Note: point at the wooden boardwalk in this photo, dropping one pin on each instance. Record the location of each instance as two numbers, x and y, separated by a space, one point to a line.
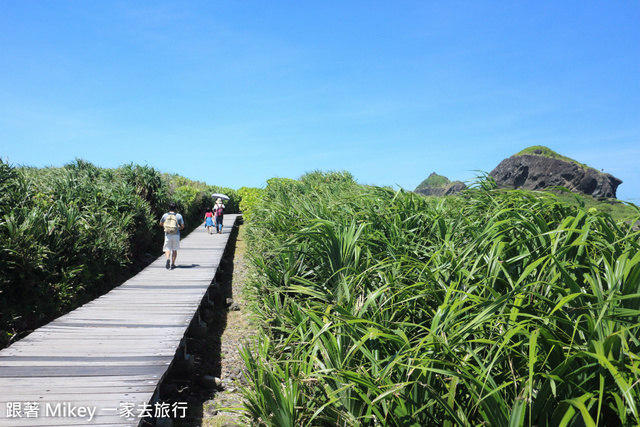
102 364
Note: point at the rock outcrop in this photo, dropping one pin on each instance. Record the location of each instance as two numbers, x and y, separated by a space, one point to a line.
438 185
538 168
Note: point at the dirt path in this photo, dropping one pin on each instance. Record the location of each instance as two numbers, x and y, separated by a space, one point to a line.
218 354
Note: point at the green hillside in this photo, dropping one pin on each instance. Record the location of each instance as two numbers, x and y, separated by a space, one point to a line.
434 181
540 150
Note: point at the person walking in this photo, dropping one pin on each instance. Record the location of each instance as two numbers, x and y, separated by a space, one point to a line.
218 210
172 222
208 218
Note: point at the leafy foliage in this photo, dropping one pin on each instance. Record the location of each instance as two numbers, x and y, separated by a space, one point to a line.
69 234
250 197
492 308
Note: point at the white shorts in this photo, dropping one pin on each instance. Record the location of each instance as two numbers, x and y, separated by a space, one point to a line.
171 242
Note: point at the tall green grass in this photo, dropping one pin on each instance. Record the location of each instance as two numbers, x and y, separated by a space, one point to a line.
492 308
69 234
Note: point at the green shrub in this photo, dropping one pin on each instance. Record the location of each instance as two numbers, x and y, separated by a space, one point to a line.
249 200
189 200
69 234
495 308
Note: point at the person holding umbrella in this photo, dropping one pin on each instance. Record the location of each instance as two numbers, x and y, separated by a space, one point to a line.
218 212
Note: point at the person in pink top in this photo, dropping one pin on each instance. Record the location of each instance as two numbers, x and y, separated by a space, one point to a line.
208 218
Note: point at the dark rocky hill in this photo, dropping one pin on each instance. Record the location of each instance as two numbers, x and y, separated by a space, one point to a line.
438 185
538 168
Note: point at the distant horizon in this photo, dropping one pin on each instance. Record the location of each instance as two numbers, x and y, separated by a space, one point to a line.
235 93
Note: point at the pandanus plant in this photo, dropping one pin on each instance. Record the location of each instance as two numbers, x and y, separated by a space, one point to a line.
493 308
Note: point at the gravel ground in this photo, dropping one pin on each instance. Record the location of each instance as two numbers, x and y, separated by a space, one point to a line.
218 354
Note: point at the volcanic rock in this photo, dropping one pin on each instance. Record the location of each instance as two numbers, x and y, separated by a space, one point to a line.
438 185
538 168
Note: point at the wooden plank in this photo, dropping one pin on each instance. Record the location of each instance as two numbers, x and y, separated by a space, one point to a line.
96 398
86 388
79 391
78 371
9 386
132 360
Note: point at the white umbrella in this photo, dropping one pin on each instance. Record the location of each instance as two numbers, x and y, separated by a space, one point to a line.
220 196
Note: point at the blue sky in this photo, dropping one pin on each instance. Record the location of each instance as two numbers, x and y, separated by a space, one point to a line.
233 93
